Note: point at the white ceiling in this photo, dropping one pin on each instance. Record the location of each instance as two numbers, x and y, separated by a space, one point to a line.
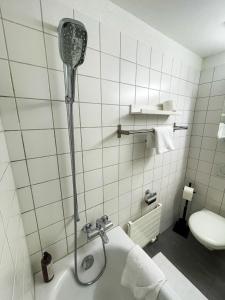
196 24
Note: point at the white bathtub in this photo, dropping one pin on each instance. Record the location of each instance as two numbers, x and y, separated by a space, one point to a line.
64 286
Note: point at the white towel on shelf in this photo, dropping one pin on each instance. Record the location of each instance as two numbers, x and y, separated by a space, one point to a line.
221 131
164 139
141 275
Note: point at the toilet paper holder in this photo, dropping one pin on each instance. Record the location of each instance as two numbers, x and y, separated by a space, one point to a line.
149 197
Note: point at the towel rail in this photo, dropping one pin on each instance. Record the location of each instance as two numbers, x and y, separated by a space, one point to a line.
121 131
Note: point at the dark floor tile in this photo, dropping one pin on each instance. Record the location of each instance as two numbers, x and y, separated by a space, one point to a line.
204 268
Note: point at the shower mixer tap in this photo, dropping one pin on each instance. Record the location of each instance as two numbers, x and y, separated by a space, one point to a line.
99 229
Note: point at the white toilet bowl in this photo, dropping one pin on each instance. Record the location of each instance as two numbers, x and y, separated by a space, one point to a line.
208 228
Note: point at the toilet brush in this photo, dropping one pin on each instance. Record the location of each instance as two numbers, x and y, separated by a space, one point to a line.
181 227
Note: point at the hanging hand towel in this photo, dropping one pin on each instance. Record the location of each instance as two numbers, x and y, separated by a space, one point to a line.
221 131
141 275
164 139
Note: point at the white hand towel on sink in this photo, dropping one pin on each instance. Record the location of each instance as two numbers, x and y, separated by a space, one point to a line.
164 139
141 275
221 131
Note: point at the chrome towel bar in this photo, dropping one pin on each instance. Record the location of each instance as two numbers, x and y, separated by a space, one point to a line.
120 131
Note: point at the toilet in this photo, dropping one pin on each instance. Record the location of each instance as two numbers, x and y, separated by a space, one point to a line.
208 228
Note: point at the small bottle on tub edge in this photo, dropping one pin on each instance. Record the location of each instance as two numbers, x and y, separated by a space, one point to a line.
47 267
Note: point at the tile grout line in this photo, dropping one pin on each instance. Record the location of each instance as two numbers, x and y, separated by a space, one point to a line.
17 112
53 122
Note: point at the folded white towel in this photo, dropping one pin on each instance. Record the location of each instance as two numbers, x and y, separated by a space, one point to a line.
141 275
221 131
164 139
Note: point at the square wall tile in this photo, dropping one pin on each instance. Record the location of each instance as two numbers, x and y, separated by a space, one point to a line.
128 48
110 40
26 12
143 54
128 72
91 138
17 37
110 115
20 173
30 81
9 117
49 214
156 59
46 193
91 65
110 174
52 234
52 51
57 86
127 94
204 90
39 143
109 137
92 159
62 141
93 179
33 243
206 75
155 80
141 96
110 92
25 199
5 83
43 169
142 76
15 145
53 13
90 115
219 72
110 156
3 53
109 67
29 222
94 197
218 88
35 114
111 191
89 89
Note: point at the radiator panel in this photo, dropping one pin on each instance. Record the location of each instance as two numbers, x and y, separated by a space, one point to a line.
146 228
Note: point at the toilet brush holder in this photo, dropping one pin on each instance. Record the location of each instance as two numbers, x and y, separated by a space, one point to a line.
181 227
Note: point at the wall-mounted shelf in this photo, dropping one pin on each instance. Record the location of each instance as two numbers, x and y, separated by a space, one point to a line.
150 110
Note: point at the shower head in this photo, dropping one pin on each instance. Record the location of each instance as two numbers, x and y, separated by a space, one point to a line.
72 42
72 48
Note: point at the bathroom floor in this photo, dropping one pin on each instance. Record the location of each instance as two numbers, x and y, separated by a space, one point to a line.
204 268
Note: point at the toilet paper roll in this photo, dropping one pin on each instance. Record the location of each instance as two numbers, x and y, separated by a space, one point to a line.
188 193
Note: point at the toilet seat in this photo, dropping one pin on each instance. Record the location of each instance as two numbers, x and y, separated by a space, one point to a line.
208 228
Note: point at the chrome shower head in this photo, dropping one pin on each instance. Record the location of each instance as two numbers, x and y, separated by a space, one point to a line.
72 48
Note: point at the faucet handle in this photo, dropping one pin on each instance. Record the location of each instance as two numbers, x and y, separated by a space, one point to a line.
105 219
87 228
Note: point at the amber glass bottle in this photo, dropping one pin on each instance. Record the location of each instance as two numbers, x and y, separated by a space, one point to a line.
47 267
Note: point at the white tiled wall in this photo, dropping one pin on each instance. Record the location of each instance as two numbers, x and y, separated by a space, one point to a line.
16 280
112 173
207 153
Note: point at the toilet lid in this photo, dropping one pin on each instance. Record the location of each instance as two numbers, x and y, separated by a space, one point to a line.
208 228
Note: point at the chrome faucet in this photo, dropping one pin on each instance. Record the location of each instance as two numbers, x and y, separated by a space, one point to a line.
102 224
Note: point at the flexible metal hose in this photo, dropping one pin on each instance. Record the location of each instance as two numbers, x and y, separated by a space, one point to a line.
69 108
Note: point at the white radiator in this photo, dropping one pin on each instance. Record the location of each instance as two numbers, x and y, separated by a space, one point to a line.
146 228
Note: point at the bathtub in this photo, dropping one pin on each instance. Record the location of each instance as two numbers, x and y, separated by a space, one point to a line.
64 287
